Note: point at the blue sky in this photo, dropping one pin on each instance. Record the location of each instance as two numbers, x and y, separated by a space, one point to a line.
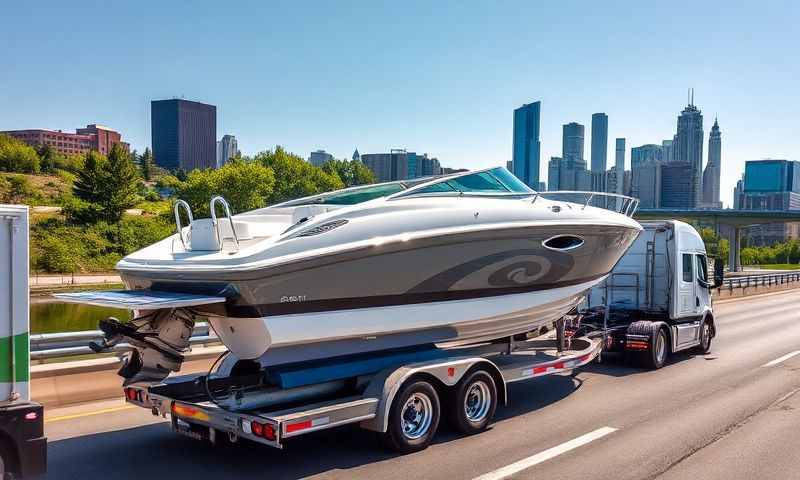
436 77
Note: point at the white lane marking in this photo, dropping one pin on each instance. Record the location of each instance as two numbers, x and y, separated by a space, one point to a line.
540 457
781 359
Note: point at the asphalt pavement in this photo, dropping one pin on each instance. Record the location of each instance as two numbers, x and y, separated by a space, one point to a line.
731 414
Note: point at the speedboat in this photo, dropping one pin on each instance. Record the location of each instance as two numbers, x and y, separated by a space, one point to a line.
441 261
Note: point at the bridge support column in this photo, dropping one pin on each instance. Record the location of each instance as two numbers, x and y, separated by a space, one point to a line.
734 259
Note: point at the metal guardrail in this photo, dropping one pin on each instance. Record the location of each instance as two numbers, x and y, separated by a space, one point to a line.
762 280
69 344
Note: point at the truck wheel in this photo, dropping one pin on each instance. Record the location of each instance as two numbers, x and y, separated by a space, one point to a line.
656 356
706 334
473 403
5 464
414 418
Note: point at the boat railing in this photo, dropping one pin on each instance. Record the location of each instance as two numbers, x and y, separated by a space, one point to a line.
610 201
215 222
177 210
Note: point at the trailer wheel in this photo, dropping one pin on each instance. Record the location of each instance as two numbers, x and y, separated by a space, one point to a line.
706 334
656 356
473 403
414 418
6 463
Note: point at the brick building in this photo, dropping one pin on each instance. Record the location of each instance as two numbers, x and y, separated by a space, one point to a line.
93 137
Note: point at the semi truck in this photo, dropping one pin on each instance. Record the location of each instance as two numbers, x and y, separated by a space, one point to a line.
655 302
23 446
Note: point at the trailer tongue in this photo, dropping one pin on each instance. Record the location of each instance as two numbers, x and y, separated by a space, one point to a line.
160 333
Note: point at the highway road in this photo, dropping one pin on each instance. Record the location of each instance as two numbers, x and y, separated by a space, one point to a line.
733 413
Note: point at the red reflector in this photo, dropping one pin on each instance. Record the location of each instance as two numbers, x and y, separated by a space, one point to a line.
293 427
539 370
451 372
31 416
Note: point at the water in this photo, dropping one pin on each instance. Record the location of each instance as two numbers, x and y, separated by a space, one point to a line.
48 316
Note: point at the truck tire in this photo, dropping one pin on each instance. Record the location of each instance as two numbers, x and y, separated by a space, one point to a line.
706 334
656 355
473 403
6 463
413 418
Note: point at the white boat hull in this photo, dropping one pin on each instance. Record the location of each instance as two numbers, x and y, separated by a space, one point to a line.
446 323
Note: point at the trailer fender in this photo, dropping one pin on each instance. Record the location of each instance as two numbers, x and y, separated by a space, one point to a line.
385 385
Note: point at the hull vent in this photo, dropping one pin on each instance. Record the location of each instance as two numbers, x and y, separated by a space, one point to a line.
319 229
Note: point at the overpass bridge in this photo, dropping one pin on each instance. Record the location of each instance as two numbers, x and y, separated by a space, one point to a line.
734 220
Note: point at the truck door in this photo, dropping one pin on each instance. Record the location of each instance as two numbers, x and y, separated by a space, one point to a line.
686 287
701 289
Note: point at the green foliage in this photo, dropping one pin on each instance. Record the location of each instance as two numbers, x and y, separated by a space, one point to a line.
106 187
294 177
16 156
245 185
146 163
715 247
15 189
787 252
350 172
58 247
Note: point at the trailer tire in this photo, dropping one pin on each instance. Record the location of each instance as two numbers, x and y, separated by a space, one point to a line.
473 403
413 418
6 462
706 334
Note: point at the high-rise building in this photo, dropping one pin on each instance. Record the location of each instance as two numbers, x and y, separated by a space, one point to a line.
645 154
676 186
599 142
400 164
93 137
646 184
711 175
319 157
619 164
572 143
227 148
688 148
356 156
553 167
184 134
770 185
510 166
666 151
527 145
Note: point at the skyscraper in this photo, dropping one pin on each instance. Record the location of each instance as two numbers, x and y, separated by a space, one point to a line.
319 157
184 134
711 174
227 148
688 148
527 145
572 143
599 142
645 154
619 164
666 151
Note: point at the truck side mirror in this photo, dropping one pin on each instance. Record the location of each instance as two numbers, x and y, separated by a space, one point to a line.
719 272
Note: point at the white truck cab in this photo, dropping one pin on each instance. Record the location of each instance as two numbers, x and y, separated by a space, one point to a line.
659 292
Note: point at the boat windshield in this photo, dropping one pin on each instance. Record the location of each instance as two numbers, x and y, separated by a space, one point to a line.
496 180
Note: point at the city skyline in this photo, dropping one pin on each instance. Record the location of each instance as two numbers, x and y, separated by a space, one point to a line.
459 108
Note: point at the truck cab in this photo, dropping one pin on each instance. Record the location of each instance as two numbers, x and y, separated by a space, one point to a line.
659 291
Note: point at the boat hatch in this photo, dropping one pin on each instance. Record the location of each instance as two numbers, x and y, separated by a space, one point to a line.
139 299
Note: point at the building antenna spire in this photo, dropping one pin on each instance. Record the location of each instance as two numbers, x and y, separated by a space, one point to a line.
692 96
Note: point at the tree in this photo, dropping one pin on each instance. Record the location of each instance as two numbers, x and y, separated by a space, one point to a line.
17 156
294 177
107 186
47 158
245 185
145 162
350 172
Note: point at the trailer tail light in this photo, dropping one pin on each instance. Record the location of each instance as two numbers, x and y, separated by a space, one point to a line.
130 394
31 416
263 430
186 411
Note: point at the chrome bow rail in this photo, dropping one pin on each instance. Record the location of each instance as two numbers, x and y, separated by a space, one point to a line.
611 201
215 222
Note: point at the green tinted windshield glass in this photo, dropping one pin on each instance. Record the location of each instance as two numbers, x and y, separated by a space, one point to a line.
511 182
477 182
361 195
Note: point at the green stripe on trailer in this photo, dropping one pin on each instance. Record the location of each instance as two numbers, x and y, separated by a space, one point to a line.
21 356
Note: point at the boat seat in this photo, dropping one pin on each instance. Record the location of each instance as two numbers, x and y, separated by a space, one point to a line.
203 236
